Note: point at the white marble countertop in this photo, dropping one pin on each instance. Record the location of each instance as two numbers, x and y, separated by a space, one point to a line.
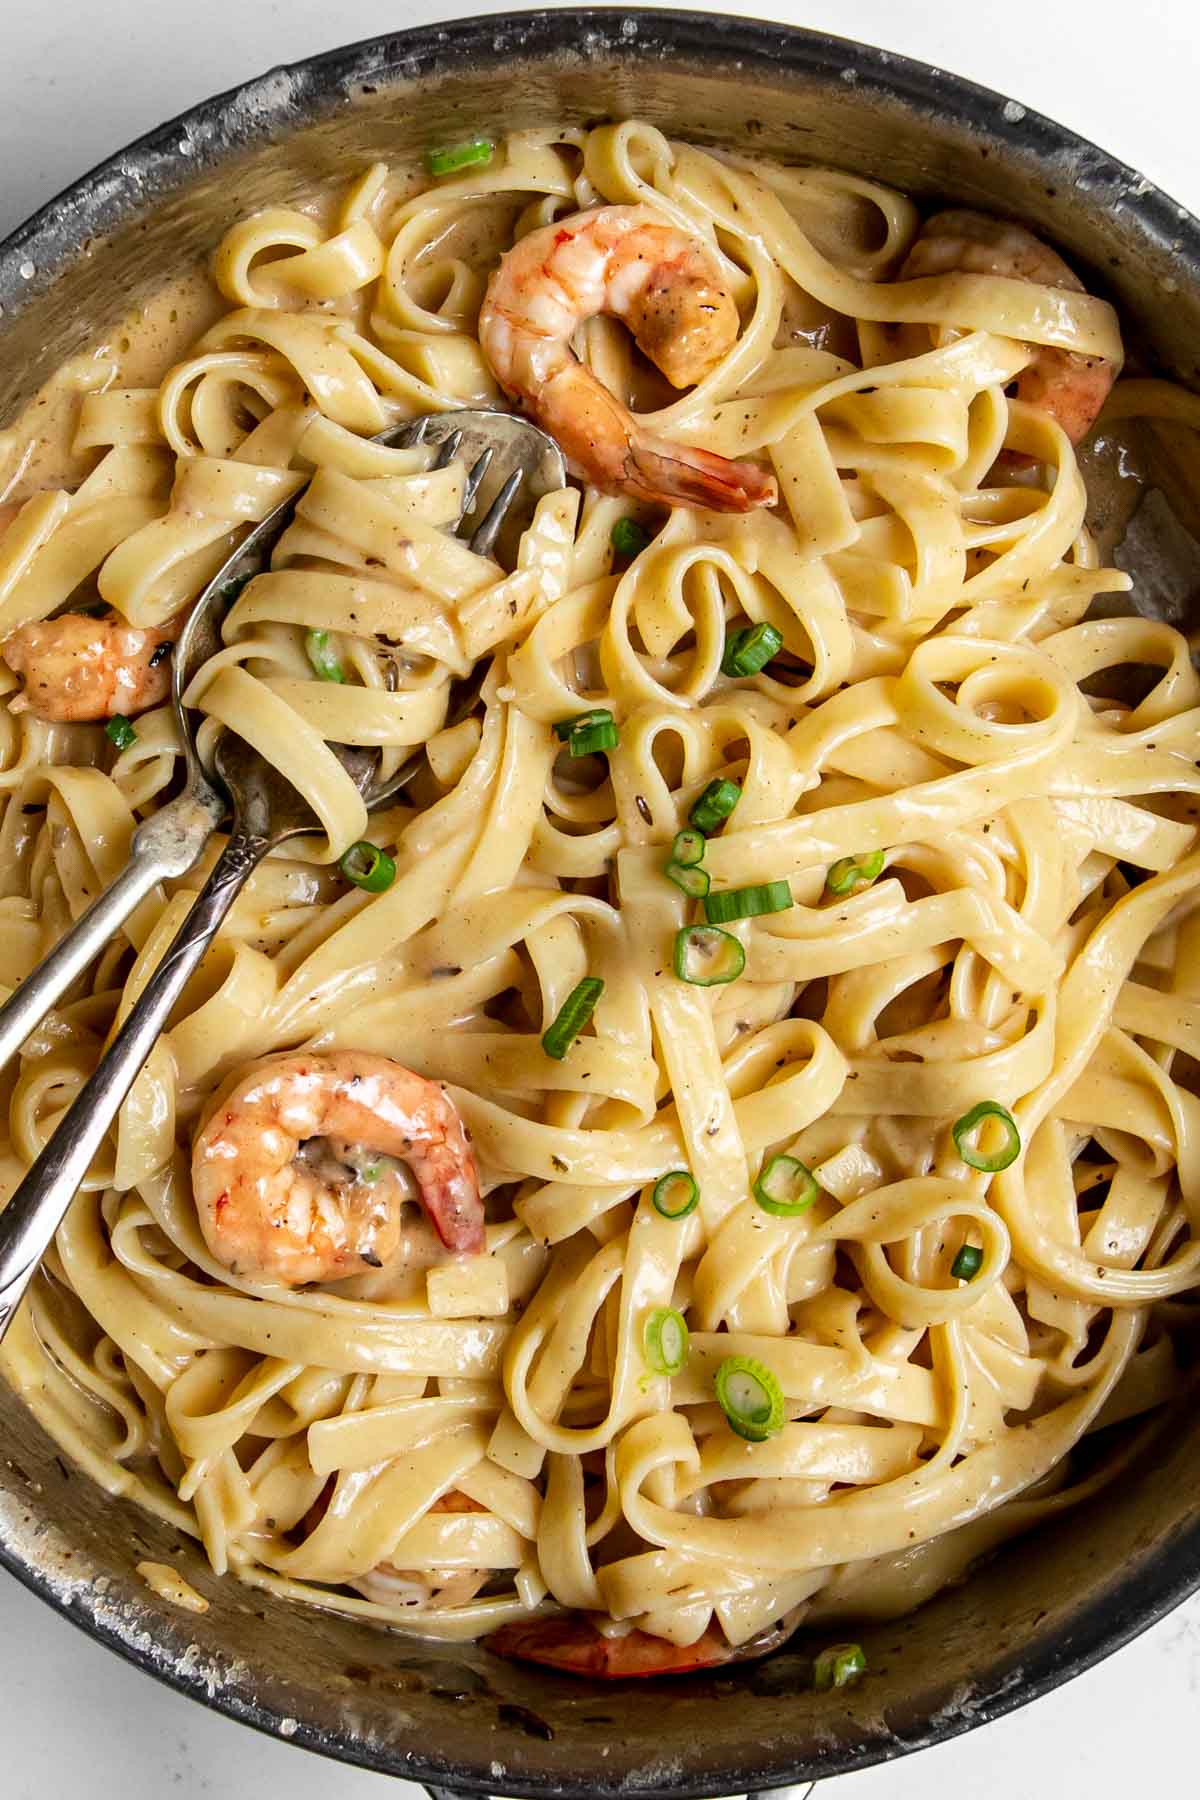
78 79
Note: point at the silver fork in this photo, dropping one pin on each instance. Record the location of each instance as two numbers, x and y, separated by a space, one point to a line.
267 811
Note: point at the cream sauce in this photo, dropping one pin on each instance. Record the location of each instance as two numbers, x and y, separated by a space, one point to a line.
170 1586
36 449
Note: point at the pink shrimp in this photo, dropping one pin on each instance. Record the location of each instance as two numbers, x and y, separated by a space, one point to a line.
419 1588
425 1588
667 287
297 1173
573 1644
1070 387
78 668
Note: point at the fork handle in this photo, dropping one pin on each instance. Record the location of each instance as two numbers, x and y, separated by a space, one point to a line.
167 844
33 1215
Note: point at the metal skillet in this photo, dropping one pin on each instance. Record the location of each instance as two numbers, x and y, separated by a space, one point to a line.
513 457
1042 1609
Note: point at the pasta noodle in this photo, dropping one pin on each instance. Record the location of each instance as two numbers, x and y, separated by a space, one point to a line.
988 850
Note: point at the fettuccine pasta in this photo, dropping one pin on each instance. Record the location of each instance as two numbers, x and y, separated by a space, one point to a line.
870 1186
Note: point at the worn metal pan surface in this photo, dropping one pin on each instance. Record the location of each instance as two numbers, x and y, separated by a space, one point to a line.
1045 1608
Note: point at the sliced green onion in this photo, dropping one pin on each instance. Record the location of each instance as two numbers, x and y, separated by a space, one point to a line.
850 872
840 1664
786 1187
748 651
120 732
599 715
748 902
449 161
707 957
323 657
750 1397
694 882
990 1162
629 538
666 1341
715 805
588 732
676 1195
688 848
586 740
967 1263
370 1173
368 867
571 1017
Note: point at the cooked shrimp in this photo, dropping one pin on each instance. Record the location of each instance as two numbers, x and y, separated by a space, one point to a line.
296 1172
573 1644
1070 387
627 261
424 1588
78 668
419 1588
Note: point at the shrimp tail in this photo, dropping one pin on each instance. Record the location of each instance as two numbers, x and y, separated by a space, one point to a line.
660 471
450 1197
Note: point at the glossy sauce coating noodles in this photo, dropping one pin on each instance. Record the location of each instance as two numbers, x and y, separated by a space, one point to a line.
972 875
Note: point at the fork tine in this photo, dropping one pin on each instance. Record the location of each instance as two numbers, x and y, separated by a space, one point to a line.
475 479
493 519
448 451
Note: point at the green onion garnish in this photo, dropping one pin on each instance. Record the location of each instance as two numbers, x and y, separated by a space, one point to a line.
786 1187
571 1017
748 651
750 1397
588 732
748 903
666 1341
967 1147
694 882
120 732
323 657
840 1664
967 1263
599 715
676 1195
715 805
368 867
460 156
586 740
370 1173
629 538
688 848
850 872
707 957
